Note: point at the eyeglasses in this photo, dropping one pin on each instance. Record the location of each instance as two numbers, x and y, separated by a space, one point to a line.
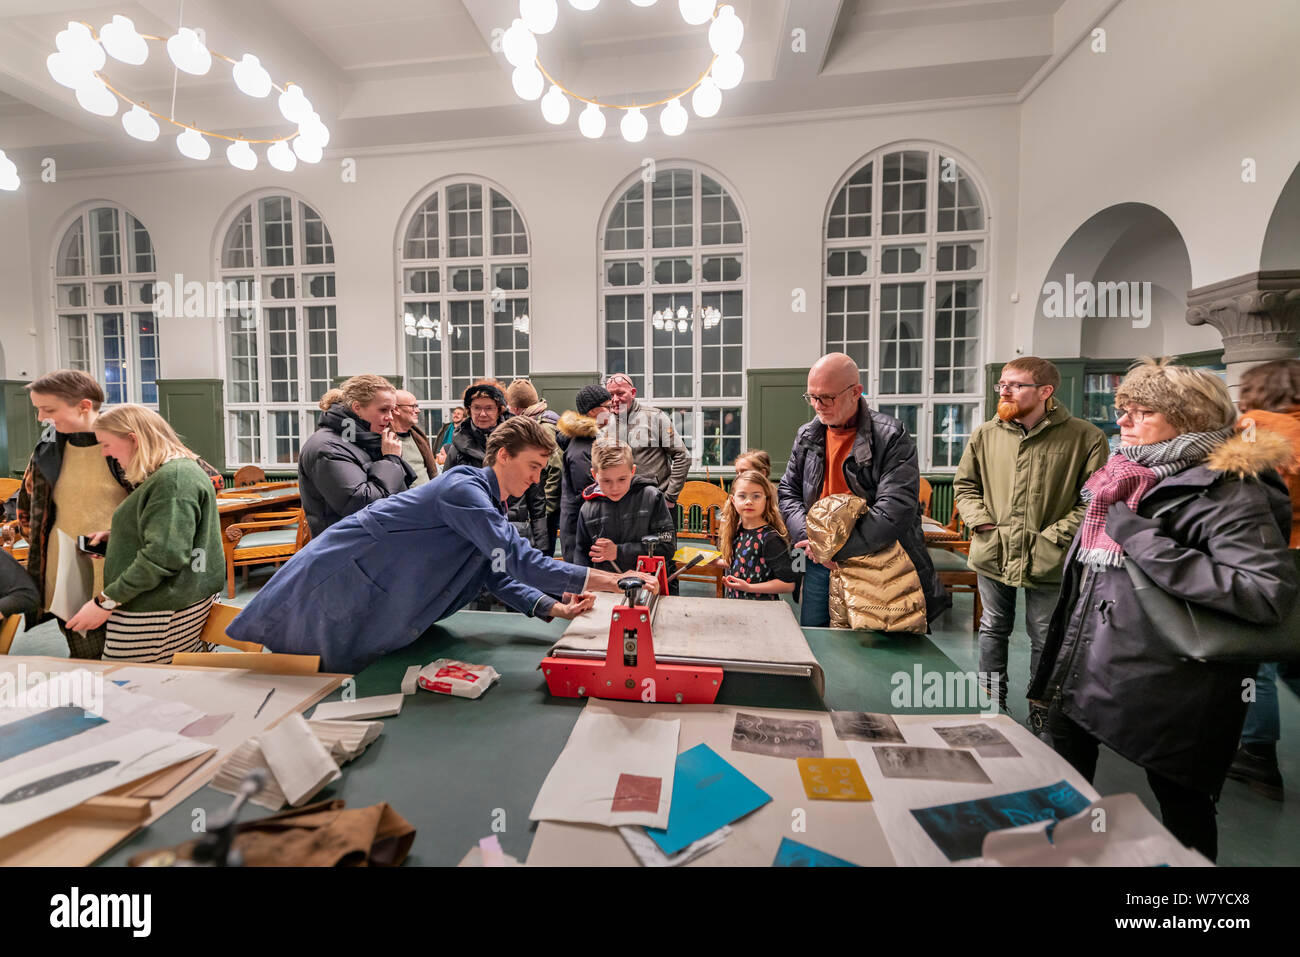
402 405
1015 386
1137 415
824 399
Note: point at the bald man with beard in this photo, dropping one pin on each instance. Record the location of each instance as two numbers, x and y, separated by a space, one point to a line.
849 447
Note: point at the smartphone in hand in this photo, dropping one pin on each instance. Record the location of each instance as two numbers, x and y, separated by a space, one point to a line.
83 544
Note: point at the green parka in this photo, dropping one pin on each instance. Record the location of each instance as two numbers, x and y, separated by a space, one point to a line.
1027 484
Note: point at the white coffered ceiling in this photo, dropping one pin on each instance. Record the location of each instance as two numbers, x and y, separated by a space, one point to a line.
399 72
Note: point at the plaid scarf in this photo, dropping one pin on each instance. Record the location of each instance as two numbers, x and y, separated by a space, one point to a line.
1127 476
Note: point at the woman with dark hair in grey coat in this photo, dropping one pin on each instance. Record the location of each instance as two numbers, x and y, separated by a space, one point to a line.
1105 674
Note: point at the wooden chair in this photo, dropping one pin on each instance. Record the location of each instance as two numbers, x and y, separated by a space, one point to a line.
953 570
9 628
263 538
249 475
699 526
253 658
926 494
8 486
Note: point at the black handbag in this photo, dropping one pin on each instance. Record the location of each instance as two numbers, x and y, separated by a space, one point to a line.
1203 634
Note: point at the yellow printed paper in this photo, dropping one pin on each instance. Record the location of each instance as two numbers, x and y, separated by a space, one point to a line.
687 552
833 779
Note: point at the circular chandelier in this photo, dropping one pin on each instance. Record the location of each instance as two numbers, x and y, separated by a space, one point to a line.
680 320
81 57
724 72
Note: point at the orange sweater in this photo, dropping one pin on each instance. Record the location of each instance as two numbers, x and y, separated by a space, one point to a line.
1286 424
839 446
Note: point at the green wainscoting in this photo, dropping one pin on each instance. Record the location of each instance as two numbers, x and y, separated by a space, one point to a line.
19 429
776 411
194 407
560 389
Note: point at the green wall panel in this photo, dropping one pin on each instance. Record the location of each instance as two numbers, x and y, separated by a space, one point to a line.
560 389
194 408
19 429
776 411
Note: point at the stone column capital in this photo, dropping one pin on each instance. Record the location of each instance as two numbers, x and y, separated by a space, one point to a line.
1258 314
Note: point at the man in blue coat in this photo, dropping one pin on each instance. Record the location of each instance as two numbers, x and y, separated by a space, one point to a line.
374 581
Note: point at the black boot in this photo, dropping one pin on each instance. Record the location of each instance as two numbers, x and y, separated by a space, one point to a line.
1256 764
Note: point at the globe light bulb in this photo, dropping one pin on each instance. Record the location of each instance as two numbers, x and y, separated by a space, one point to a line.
94 97
122 42
306 150
282 157
539 15
696 12
727 71
192 144
241 156
528 82
681 325
555 106
726 31
634 125
583 5
293 103
68 71
138 123
674 118
251 77
188 52
81 47
707 98
591 122
519 45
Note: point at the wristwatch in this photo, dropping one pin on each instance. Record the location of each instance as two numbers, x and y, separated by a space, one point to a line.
104 602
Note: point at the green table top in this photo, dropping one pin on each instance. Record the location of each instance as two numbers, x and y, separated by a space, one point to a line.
452 766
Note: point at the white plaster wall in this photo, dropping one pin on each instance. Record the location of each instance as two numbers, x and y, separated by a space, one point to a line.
783 176
1186 90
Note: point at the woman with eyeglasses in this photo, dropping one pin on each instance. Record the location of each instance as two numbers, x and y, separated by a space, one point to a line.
1105 673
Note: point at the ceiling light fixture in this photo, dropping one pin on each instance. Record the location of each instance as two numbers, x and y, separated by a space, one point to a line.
82 54
530 77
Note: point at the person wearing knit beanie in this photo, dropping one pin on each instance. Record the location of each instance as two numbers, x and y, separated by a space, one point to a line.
1186 397
591 396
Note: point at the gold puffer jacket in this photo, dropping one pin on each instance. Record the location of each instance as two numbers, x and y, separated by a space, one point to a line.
879 592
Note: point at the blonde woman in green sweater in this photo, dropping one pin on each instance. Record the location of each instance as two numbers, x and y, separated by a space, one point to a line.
164 564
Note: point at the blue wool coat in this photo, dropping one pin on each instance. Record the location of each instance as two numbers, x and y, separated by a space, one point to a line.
374 581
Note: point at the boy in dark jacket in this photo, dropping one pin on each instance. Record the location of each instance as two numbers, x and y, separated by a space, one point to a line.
618 511
581 429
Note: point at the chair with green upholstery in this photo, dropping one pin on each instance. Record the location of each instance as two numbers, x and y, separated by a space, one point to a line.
263 538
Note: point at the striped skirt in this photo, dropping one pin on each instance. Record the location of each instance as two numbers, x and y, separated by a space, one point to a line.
154 636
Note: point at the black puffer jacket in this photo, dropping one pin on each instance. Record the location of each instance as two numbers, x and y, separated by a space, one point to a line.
580 432
642 511
527 511
342 469
882 470
1224 547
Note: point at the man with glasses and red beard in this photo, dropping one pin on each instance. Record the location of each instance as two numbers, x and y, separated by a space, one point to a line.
1017 489
851 448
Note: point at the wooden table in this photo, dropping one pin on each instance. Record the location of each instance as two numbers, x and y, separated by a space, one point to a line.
232 510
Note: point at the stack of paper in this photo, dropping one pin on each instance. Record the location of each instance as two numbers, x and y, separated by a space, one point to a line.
378 706
300 763
293 764
708 793
346 739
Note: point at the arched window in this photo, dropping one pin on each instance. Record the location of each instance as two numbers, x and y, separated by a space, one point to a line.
104 291
673 280
280 327
465 275
906 266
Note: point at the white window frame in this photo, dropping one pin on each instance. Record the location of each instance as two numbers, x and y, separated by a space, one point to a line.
131 308
304 406
697 403
440 409
929 400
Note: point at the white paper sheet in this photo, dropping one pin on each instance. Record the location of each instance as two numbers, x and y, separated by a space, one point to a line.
648 853
74 579
377 706
591 776
37 793
408 680
300 763
1129 836
894 798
